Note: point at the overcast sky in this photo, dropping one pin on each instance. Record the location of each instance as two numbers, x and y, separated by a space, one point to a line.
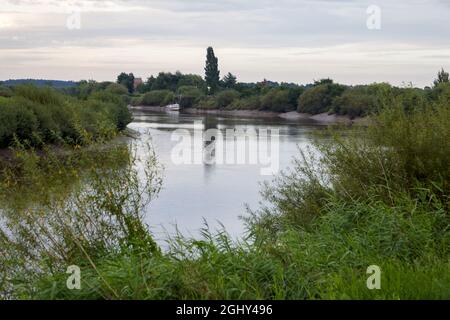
281 40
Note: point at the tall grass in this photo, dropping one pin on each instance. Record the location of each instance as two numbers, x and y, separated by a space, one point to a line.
58 212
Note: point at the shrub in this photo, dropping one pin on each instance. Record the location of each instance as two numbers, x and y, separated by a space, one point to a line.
136 101
42 95
5 92
116 88
188 96
226 97
276 100
208 102
114 107
169 99
246 103
18 121
319 98
42 115
354 102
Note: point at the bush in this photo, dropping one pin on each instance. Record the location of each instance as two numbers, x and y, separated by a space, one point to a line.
158 98
354 102
319 98
189 96
136 101
5 92
208 102
226 97
117 89
247 103
114 107
385 162
169 99
16 121
42 95
42 115
276 100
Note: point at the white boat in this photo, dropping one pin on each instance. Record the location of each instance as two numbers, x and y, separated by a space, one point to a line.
173 107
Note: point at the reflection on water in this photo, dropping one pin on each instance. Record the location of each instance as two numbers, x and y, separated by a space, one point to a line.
214 192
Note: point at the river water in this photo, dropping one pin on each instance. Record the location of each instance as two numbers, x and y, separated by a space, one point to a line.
214 192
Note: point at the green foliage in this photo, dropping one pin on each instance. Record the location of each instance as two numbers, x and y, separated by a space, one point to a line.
113 106
365 195
165 81
136 100
44 95
127 80
5 92
226 97
376 198
246 103
440 93
85 206
208 102
169 99
212 73
276 100
229 81
42 115
172 82
191 80
16 121
319 98
189 96
116 88
158 98
355 102
442 77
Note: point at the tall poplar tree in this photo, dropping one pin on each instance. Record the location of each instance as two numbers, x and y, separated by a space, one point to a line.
212 73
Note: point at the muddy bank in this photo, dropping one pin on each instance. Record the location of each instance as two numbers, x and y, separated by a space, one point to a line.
322 118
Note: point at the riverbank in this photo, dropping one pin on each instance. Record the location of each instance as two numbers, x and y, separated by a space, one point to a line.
8 156
386 209
322 118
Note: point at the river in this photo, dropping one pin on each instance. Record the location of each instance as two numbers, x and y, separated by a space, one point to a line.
214 192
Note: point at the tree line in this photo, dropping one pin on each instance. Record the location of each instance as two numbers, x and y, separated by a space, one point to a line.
213 92
35 116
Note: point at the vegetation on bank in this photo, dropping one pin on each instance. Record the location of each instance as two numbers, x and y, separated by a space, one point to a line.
36 116
192 91
376 195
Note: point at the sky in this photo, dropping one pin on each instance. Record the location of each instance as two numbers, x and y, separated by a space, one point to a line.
350 41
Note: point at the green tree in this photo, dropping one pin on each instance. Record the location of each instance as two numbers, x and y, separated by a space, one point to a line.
276 100
229 81
319 98
212 73
126 80
188 96
226 97
443 77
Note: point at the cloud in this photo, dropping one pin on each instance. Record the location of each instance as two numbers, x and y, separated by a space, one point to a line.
291 28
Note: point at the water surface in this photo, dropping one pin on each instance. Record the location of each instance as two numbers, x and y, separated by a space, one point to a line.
194 193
